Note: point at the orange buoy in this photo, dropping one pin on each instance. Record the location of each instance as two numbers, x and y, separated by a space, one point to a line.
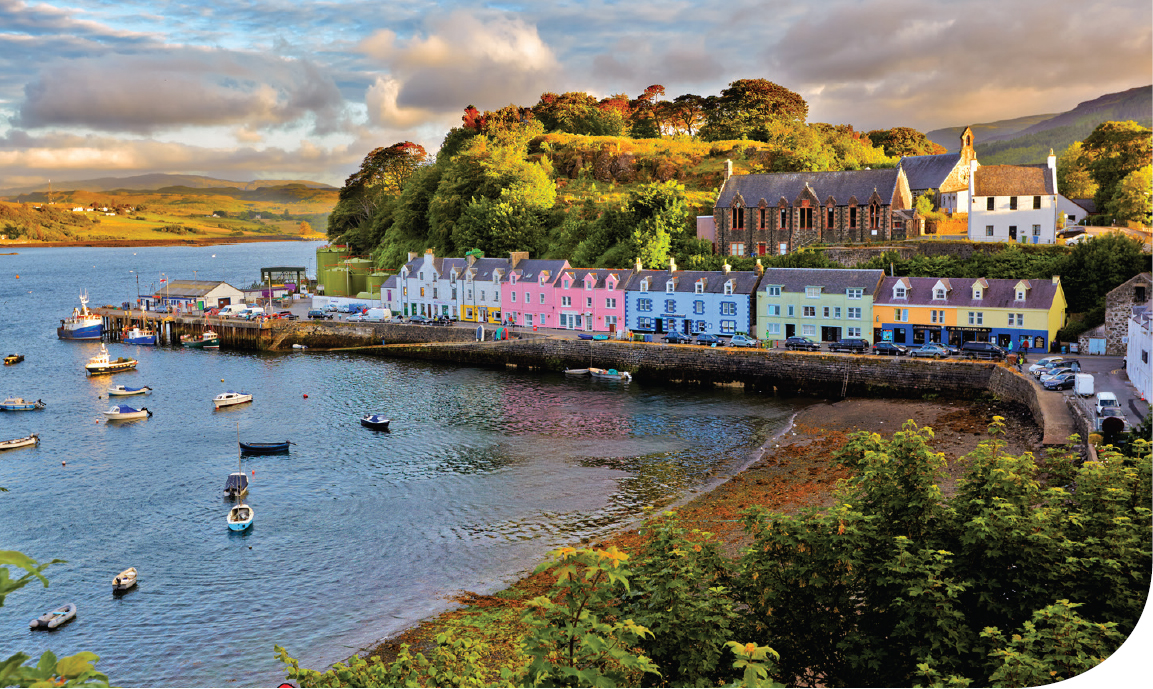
306 395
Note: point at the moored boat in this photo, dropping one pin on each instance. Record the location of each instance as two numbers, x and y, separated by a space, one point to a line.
13 359
265 448
20 404
139 336
82 324
124 581
230 398
123 412
576 371
236 485
55 618
376 422
611 374
240 517
101 363
124 391
26 441
206 340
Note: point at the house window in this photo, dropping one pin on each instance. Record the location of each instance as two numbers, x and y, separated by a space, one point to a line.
698 306
853 332
1020 295
812 293
513 295
468 314
899 292
874 216
761 217
790 310
809 312
611 286
645 285
976 292
825 312
610 302
644 304
1012 203
610 320
528 319
806 218
422 291
1144 356
670 305
988 230
699 288
784 218
528 297
855 293
1036 230
809 330
567 284
936 316
421 275
853 217
1139 294
737 249
542 297
989 203
738 218
454 294
773 329
728 326
729 287
482 295
976 318
1036 202
901 315
728 308
646 323
854 313
1012 319
774 310
469 294
588 301
836 312
829 217
566 301
773 290
939 293
669 287
589 284
701 326
783 248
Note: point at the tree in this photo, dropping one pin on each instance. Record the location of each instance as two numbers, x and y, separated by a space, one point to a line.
904 141
747 107
1133 200
1115 150
304 227
644 117
684 115
579 113
383 172
1095 267
1073 178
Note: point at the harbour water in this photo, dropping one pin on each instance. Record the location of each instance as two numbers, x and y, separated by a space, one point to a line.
357 534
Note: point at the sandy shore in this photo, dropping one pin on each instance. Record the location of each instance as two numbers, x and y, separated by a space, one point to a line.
790 472
188 241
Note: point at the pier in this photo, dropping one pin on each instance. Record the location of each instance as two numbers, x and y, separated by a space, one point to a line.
234 333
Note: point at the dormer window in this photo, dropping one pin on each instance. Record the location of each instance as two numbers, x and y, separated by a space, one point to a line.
699 288
610 285
567 284
729 287
976 292
670 286
1020 295
645 285
812 293
939 293
589 284
899 292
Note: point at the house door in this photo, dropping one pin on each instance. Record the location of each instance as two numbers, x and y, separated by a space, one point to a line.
660 325
223 301
830 334
790 330
1012 233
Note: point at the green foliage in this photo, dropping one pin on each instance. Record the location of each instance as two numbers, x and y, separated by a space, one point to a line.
1095 267
756 663
33 569
904 141
1113 151
747 108
454 662
1134 197
1073 178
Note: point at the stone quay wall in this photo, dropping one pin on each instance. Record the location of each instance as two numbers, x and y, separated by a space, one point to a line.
1016 387
337 334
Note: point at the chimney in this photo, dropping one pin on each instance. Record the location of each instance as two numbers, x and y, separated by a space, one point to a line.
1052 163
727 267
471 259
412 255
728 169
640 267
428 251
1056 279
672 264
515 257
760 268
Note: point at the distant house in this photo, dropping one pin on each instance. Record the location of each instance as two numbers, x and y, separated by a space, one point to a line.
1137 364
197 294
591 299
1075 210
528 291
690 301
823 304
780 213
480 302
1013 203
1119 303
947 173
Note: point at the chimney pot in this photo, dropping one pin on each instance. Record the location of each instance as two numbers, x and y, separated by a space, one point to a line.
672 264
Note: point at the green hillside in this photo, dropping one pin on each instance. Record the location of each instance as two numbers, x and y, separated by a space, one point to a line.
950 137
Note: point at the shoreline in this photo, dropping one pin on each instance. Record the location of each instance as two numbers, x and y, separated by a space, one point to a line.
203 241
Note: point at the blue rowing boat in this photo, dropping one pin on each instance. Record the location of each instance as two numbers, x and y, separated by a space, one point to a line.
265 448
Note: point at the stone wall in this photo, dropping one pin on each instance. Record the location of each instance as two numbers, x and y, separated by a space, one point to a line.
1011 386
335 334
1119 304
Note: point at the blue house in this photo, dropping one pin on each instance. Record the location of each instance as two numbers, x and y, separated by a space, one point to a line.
690 301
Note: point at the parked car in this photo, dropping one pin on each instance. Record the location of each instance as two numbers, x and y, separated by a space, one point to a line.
743 340
1062 381
1106 400
982 350
931 350
1056 372
804 343
677 338
710 340
288 315
888 348
855 345
357 318
418 319
319 315
332 308
1112 419
1047 362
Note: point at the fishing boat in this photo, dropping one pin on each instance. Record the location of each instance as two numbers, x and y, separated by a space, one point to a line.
376 422
55 618
82 324
240 517
576 371
227 399
13 359
123 412
611 374
26 441
139 336
101 363
236 485
124 581
124 391
265 448
20 404
205 340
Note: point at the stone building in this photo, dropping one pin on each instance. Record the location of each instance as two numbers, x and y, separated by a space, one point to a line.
782 212
1119 305
947 173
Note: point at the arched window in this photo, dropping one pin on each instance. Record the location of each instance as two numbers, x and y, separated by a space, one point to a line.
874 216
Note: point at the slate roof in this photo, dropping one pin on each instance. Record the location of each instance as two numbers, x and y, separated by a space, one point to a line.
481 269
389 283
189 288
1000 293
929 172
833 280
1012 180
841 185
577 275
447 264
529 269
745 282
1089 205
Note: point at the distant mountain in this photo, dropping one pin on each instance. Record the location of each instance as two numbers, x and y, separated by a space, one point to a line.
156 181
1020 141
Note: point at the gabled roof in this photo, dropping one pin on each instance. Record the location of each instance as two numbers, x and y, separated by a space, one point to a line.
528 269
482 268
190 288
577 275
744 281
929 172
1000 294
390 282
833 280
840 186
1012 180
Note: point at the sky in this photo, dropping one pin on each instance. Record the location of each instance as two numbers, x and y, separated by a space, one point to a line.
269 89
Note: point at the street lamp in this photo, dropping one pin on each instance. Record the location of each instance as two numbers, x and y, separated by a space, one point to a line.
137 285
164 279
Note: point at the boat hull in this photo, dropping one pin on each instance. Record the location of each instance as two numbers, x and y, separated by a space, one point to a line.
376 425
80 332
110 367
52 620
146 340
128 392
27 441
240 517
264 448
231 401
13 359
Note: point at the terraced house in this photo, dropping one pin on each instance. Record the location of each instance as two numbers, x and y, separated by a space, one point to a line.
690 301
427 286
823 304
528 291
591 299
779 213
914 311
480 298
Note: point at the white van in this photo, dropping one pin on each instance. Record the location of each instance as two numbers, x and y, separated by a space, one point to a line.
251 312
232 309
1106 400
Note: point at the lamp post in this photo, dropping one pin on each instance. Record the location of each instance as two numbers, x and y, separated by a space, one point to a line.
164 279
137 285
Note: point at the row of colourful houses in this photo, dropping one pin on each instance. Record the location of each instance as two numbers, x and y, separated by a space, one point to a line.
774 304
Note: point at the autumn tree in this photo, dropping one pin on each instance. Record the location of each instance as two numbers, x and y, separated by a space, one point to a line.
382 173
645 120
579 113
685 114
904 141
747 107
1115 150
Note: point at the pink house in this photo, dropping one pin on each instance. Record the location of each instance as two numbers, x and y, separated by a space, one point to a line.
592 300
528 291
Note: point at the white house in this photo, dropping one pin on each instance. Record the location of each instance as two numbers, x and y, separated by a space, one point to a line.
425 288
1137 350
195 294
1013 203
1074 212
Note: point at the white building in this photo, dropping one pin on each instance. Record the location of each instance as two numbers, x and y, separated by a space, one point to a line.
1013 203
1074 212
194 295
422 290
1137 350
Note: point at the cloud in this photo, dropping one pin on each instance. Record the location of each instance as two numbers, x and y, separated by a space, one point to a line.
488 61
177 87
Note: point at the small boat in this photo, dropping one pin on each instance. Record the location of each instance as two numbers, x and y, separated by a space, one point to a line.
124 391
299 346
82 324
240 517
13 359
20 404
52 620
236 485
611 374
102 364
265 448
26 441
227 399
600 338
376 422
576 371
139 336
584 336
124 581
123 412
205 340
